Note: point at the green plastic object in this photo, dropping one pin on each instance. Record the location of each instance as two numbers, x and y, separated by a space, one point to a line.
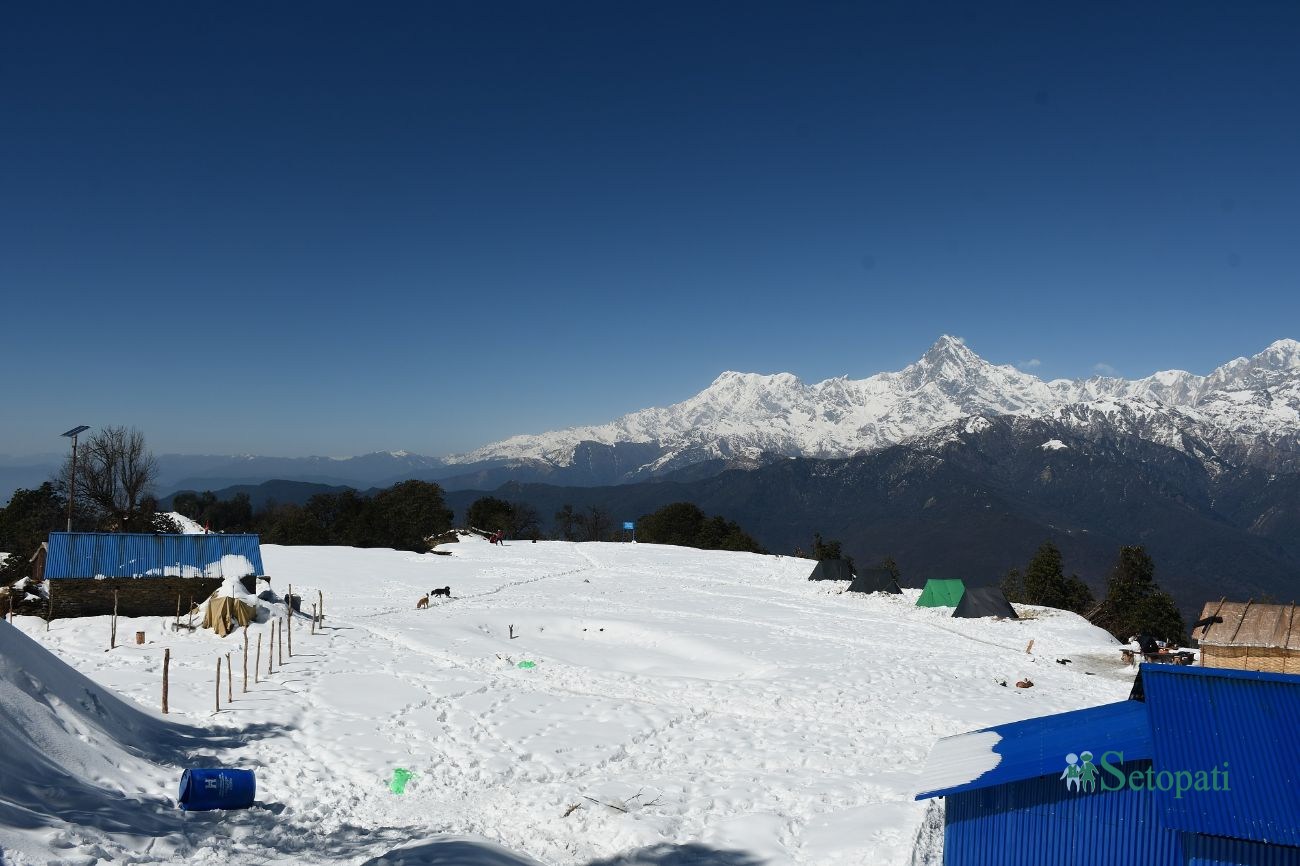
400 777
527 665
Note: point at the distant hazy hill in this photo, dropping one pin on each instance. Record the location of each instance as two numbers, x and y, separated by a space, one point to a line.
261 495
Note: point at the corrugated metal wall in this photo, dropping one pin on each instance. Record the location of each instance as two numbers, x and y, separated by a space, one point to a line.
1217 851
1039 823
1202 718
95 554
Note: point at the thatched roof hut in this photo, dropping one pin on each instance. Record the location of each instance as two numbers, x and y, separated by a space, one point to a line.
1250 636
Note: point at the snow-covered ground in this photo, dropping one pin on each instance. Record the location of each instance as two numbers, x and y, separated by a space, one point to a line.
682 703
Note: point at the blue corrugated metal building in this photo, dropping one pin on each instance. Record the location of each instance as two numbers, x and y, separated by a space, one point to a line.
123 554
1206 772
141 574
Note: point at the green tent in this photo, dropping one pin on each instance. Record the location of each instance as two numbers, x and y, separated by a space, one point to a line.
941 593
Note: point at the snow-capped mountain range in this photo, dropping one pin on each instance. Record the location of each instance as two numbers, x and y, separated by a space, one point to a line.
1248 408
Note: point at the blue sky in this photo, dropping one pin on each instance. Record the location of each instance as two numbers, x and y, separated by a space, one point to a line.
320 228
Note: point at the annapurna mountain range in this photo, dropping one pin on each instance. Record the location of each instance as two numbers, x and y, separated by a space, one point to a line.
1245 412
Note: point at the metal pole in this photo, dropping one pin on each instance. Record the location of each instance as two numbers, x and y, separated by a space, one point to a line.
72 482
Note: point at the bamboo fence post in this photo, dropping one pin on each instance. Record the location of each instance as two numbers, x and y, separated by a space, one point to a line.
257 662
289 616
217 695
230 682
167 660
245 659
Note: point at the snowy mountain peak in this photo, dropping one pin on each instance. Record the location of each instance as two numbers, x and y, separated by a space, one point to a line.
746 415
948 357
732 380
1280 355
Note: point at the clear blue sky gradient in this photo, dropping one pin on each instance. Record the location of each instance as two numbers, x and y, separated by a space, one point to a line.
319 228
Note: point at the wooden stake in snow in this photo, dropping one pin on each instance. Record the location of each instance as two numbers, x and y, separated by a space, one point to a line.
270 650
289 617
313 619
230 682
191 613
257 661
320 610
279 642
217 696
1030 648
112 629
167 660
177 624
245 659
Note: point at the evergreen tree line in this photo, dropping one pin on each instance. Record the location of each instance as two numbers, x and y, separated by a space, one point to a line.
401 517
1134 602
684 524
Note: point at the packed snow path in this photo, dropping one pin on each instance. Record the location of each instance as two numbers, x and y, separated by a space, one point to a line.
683 703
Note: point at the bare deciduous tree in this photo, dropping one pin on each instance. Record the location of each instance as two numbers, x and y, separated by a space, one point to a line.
114 474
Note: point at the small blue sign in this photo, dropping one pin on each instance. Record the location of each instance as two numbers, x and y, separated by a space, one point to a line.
627 524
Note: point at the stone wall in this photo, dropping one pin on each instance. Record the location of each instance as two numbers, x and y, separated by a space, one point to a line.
136 596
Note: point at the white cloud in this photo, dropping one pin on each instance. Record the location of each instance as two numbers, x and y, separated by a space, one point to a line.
1030 364
1105 369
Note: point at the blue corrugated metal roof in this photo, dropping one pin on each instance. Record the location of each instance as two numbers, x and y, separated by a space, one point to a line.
1202 718
121 554
1038 747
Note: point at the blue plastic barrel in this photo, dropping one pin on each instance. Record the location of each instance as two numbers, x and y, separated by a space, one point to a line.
202 790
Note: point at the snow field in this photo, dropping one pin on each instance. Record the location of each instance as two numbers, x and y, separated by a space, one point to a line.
716 699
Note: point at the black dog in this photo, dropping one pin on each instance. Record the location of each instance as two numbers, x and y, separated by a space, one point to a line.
446 590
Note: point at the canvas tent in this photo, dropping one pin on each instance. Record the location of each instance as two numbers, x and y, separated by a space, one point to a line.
832 569
224 614
984 601
875 580
941 593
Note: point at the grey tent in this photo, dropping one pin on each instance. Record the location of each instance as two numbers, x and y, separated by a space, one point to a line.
984 601
875 580
832 569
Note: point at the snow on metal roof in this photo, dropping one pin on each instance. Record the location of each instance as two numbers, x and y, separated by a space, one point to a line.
121 554
1034 747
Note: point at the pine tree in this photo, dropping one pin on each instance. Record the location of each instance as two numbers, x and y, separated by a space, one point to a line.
1044 583
1013 586
1044 578
1135 604
829 550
